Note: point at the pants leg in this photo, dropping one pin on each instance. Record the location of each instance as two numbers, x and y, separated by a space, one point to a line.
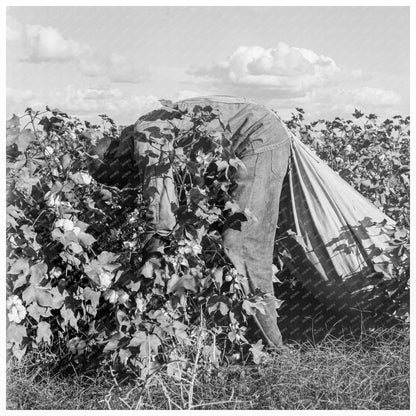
251 249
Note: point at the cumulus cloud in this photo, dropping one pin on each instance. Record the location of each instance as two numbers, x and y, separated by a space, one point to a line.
15 95
117 68
285 68
98 100
17 100
46 44
13 29
341 101
286 77
85 103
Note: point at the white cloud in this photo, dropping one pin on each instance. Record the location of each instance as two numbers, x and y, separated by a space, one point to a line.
46 44
284 68
15 95
84 103
116 68
286 77
89 102
90 68
13 29
341 101
373 96
120 69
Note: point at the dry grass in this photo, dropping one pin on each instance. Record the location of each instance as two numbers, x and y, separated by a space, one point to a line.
369 373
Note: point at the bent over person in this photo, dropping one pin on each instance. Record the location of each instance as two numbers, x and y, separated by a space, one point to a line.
258 137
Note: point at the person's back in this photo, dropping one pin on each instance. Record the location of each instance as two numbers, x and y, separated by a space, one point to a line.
258 137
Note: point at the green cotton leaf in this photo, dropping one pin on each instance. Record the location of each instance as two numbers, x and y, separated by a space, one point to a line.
58 298
86 239
30 235
106 260
174 279
39 295
44 333
57 111
130 280
66 238
219 306
111 345
100 270
124 355
180 331
150 345
251 308
13 122
21 139
186 282
232 206
15 333
92 299
36 311
122 318
21 268
37 273
234 221
196 195
26 181
212 354
154 343
19 352
176 365
138 339
29 295
69 318
66 161
13 214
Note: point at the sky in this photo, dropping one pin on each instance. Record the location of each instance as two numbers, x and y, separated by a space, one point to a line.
120 60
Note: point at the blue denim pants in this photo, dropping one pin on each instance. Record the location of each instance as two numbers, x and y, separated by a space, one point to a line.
251 250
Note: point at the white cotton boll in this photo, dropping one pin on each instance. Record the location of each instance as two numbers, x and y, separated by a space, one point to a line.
52 200
123 297
49 151
17 312
86 178
140 304
105 279
12 300
55 272
65 224
111 295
